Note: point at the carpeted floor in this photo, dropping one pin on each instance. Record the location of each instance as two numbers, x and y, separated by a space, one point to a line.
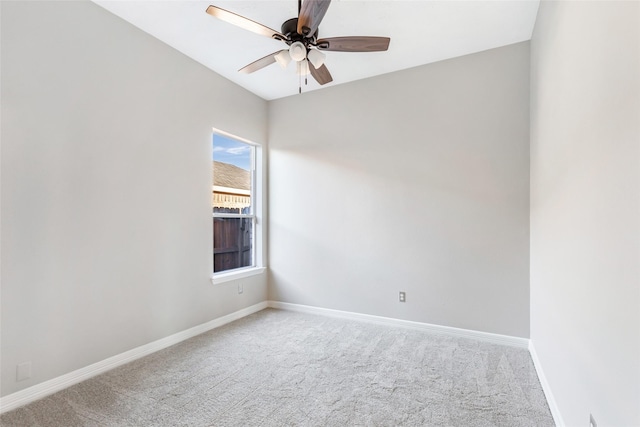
281 368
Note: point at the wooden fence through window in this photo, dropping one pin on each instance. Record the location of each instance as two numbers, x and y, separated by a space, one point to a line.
232 243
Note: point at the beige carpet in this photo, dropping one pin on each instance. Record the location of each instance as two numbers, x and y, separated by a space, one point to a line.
280 368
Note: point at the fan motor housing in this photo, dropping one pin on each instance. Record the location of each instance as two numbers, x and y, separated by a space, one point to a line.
290 29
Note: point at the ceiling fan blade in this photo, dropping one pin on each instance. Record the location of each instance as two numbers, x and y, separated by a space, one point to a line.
321 74
311 15
260 63
354 44
242 22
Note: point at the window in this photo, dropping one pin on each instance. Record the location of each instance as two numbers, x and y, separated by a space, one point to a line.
234 204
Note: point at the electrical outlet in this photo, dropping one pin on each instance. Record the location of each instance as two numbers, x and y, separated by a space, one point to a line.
240 288
403 297
23 371
592 421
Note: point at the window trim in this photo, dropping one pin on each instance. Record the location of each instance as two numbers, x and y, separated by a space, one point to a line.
257 201
236 273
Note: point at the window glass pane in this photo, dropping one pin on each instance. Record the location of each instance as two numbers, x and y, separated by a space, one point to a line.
232 164
232 243
232 194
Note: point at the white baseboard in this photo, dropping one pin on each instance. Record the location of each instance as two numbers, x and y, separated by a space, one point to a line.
446 330
54 385
553 406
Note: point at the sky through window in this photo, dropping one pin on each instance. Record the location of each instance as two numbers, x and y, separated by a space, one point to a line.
230 151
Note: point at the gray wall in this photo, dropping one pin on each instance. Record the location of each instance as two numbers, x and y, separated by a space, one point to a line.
415 181
106 181
585 208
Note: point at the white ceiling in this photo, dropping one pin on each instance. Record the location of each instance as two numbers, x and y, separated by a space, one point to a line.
421 31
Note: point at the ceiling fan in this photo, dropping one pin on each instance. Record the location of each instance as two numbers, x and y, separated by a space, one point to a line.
301 36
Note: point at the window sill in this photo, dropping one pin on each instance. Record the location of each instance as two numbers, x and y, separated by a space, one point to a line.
223 277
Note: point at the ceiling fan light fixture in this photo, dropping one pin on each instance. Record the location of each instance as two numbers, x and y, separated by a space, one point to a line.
316 58
300 34
283 58
298 51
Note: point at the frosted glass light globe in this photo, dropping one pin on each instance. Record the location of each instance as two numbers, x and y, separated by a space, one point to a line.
297 51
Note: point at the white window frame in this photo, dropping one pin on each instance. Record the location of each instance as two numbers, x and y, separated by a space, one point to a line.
257 205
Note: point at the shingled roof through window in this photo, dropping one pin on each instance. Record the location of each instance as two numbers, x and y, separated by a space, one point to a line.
227 175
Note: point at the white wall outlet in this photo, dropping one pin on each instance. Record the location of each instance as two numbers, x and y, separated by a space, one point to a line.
403 297
240 288
23 371
592 421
